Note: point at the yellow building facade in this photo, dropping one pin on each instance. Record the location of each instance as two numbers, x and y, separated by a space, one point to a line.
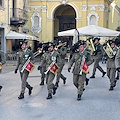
13 16
48 17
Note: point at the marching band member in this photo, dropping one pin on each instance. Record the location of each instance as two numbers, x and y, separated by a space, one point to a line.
22 58
50 58
111 69
117 58
79 76
62 52
97 57
43 68
2 61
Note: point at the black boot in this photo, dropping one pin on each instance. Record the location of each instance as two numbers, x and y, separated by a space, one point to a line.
56 84
103 74
0 87
42 83
64 80
92 76
21 96
115 83
79 97
111 88
54 90
87 80
49 96
30 90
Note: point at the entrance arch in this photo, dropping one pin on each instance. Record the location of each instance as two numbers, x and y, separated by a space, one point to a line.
64 19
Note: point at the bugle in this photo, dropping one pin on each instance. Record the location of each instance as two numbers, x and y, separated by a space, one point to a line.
24 66
49 67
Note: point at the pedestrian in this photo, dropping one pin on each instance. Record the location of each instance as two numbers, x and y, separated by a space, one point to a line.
23 56
97 55
78 76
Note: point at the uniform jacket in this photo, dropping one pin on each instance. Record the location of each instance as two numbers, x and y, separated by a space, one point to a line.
111 61
23 57
117 59
49 57
62 52
77 59
99 49
2 57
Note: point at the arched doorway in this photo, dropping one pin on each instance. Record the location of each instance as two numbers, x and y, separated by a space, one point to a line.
64 19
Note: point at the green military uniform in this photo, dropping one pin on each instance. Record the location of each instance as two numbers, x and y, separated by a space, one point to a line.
62 52
97 57
117 61
78 79
22 58
111 70
42 70
1 60
48 58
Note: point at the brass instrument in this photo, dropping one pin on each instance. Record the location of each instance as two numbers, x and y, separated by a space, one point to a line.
64 44
91 45
109 51
24 66
35 54
49 67
0 65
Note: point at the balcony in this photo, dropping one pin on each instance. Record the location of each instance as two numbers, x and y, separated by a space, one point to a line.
18 17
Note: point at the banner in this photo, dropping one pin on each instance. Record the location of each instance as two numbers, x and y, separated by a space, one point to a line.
29 67
85 68
54 68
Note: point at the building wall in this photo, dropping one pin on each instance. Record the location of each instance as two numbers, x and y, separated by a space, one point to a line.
83 9
114 15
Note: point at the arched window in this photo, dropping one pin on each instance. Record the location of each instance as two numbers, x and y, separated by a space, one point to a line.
92 20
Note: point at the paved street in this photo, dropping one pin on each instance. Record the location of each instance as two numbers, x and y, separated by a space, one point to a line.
98 103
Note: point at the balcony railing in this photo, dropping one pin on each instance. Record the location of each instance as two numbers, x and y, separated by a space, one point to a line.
17 14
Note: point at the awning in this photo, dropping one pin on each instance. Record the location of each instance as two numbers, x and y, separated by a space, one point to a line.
16 35
91 30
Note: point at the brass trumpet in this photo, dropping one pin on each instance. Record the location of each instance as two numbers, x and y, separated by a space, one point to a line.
64 44
37 52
